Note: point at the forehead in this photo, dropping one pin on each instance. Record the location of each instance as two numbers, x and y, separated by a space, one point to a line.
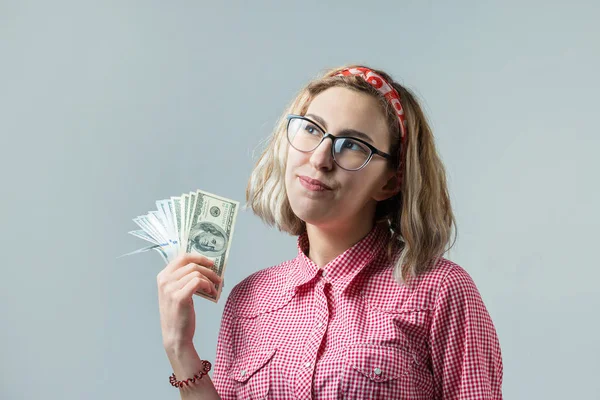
343 108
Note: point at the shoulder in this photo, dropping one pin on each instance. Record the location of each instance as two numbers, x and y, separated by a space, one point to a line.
449 282
262 291
457 290
423 291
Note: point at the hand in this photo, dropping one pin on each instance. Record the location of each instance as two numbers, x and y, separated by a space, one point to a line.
177 283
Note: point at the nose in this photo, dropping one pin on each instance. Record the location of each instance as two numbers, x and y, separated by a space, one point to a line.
321 158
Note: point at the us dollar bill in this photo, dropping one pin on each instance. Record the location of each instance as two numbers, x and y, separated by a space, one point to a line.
210 231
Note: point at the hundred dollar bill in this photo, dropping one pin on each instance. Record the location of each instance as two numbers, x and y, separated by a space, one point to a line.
210 230
198 222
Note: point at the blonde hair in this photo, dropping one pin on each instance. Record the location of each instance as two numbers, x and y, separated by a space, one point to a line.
420 216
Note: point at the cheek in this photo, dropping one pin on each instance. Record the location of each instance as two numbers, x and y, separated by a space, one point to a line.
294 160
294 157
359 188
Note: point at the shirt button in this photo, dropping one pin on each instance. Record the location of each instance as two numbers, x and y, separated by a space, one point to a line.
307 365
320 324
377 371
243 373
324 274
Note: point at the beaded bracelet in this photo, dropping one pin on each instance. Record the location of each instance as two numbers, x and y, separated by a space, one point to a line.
174 382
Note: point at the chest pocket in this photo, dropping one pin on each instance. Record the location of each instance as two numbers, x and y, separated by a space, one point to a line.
377 371
250 372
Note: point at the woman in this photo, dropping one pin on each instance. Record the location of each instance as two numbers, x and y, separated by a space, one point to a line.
369 308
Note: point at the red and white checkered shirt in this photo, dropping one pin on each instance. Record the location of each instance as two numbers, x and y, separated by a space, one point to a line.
350 331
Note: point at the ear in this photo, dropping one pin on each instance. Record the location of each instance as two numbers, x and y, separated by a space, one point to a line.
391 187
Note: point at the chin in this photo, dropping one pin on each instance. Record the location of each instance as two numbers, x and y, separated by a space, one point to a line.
314 216
310 215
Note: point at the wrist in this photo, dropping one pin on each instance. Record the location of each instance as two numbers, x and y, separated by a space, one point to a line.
184 360
206 366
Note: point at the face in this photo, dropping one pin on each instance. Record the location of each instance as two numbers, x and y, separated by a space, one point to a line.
210 242
342 198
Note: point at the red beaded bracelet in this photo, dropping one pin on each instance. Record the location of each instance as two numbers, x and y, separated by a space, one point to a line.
174 382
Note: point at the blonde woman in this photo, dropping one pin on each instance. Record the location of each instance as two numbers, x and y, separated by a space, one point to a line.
369 308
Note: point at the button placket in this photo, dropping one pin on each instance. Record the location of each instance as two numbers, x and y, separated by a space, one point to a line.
314 339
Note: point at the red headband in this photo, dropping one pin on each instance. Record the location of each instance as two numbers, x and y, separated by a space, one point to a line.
389 93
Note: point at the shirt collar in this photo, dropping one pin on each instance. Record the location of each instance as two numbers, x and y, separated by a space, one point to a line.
341 270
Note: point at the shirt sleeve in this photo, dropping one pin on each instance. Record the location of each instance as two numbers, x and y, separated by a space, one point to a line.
223 383
465 351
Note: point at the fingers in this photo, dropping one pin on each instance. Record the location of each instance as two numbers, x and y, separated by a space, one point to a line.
183 265
193 282
188 258
207 272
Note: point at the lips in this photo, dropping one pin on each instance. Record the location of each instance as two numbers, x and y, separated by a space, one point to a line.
313 184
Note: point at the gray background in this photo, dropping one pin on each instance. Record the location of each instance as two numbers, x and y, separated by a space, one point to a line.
108 106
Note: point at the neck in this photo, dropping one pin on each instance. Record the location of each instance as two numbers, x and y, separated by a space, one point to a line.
328 242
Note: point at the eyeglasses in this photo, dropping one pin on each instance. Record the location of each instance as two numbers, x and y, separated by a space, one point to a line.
348 152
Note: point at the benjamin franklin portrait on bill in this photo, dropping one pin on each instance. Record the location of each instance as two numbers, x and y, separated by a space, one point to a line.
208 239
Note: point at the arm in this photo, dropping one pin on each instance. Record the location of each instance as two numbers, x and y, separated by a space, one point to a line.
465 351
186 362
176 284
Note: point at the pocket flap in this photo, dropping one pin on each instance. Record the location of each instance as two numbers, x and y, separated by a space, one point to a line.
248 361
379 363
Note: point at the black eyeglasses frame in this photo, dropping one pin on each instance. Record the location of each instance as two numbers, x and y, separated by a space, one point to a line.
326 135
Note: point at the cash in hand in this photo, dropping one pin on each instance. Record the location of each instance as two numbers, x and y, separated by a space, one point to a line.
198 222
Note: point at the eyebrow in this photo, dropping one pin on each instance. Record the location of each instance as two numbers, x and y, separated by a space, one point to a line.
343 132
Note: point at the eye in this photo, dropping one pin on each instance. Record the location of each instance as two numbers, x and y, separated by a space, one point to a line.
350 144
310 128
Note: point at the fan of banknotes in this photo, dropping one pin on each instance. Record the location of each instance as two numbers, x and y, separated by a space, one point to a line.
198 222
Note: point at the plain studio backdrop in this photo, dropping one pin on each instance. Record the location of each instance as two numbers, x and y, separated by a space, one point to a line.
108 106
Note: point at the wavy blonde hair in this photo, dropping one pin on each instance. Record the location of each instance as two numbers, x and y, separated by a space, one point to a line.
420 216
